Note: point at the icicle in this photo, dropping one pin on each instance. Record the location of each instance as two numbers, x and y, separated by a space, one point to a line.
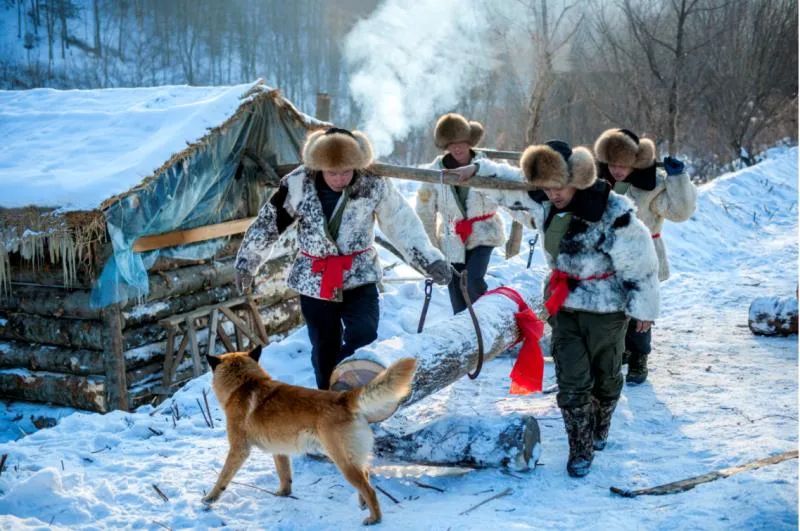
5 273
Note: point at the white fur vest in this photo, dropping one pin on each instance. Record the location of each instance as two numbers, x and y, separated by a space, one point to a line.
439 210
617 244
370 198
673 198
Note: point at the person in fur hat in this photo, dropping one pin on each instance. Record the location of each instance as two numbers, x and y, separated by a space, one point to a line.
462 222
335 201
628 163
604 272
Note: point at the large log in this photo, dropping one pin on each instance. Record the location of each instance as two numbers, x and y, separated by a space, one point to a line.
445 352
773 316
82 392
16 354
475 442
76 333
55 302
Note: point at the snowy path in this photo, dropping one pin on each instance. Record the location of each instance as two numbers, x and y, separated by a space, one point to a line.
717 396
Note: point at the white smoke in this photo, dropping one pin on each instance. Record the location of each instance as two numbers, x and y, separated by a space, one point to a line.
411 61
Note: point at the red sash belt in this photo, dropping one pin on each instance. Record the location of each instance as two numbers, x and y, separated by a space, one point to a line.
528 371
464 226
559 288
656 235
332 268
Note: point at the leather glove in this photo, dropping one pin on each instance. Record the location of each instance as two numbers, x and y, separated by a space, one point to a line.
440 272
673 166
244 282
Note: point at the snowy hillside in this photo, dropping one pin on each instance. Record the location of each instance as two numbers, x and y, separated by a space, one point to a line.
717 397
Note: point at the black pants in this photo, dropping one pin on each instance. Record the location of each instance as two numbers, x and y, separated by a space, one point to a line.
477 262
337 329
638 342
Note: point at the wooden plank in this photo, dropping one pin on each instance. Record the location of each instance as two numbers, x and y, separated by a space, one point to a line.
116 385
225 339
194 348
259 324
240 325
169 355
197 234
178 357
213 320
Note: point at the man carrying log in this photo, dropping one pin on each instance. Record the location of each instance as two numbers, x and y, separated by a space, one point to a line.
335 202
468 228
628 163
604 271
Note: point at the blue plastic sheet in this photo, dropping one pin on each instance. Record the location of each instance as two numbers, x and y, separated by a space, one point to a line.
199 190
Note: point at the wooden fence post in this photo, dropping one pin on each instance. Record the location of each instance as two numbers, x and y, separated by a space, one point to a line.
114 360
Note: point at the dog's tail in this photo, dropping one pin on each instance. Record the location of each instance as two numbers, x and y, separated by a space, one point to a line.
388 388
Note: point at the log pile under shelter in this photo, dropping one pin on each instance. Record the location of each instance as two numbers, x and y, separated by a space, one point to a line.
75 332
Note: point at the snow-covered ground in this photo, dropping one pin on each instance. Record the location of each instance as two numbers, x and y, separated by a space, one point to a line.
716 397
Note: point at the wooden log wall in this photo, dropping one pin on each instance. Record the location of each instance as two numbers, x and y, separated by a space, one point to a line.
55 348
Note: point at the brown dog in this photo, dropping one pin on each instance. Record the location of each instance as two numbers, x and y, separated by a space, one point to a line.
284 419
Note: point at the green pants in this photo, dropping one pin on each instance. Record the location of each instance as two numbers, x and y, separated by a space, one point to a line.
587 350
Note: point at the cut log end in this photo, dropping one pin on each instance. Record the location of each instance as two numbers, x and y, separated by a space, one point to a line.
358 373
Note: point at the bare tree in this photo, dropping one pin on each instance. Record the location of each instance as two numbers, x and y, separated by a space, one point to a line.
549 38
753 68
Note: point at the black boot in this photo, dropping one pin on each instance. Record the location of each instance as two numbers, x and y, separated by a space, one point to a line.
625 356
579 425
603 409
637 368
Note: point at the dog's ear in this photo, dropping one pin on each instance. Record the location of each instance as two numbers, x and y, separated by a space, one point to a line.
256 353
213 361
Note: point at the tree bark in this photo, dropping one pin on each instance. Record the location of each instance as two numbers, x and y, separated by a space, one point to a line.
14 354
476 442
82 392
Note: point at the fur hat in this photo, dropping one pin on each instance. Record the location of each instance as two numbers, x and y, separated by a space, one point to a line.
620 147
452 128
337 149
555 165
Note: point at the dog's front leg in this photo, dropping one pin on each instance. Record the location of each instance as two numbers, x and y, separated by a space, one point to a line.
284 467
236 457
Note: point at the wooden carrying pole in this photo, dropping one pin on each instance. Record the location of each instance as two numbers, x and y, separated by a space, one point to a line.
497 154
436 177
